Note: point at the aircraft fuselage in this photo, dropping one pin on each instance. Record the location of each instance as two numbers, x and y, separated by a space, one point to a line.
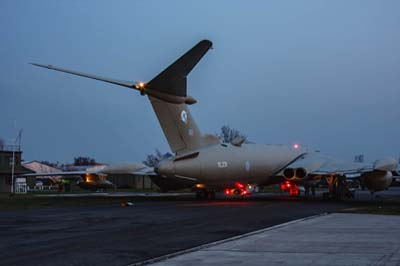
223 165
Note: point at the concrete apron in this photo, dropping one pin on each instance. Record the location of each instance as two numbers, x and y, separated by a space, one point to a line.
334 239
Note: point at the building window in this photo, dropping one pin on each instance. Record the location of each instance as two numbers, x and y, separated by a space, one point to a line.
10 160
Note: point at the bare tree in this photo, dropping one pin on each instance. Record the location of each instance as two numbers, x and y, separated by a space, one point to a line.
81 160
1 144
359 158
228 134
153 159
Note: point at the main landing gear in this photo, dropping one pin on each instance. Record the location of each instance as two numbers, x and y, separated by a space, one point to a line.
338 188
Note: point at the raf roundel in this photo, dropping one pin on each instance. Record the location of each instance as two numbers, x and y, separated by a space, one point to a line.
184 117
247 166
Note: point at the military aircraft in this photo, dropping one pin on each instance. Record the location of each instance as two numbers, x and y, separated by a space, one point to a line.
97 179
203 162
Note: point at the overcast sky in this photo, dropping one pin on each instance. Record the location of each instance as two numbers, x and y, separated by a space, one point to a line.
325 74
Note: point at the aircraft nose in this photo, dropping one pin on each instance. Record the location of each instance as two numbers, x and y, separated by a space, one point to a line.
165 168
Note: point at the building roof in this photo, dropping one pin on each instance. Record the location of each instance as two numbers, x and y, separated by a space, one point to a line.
18 170
39 167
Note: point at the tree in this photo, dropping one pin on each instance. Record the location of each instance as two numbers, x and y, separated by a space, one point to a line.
153 159
359 158
82 161
228 134
1 144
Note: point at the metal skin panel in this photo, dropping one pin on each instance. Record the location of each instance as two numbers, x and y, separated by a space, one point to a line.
223 166
172 80
318 164
178 126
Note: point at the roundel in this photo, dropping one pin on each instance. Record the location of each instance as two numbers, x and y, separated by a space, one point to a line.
247 166
184 117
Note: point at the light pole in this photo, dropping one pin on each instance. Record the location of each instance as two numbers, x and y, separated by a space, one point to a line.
12 170
17 139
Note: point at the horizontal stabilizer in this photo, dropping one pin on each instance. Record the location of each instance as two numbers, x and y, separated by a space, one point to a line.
129 84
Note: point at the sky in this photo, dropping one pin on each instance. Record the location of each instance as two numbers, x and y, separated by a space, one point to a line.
324 74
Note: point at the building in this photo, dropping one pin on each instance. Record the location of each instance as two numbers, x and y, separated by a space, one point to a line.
125 181
6 162
131 181
41 167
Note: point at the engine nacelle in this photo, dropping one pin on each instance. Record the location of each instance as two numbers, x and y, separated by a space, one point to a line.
300 173
288 173
377 180
295 173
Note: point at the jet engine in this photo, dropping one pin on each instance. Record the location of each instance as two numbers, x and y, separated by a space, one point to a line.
295 173
377 180
382 176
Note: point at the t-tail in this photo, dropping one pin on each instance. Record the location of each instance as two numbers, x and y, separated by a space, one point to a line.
167 93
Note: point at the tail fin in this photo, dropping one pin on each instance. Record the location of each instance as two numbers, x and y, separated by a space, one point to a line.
173 79
177 123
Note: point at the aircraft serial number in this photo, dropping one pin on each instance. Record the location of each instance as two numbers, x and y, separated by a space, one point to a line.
222 164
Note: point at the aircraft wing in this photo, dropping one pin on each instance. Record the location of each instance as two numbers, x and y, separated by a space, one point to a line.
125 168
320 165
128 168
64 175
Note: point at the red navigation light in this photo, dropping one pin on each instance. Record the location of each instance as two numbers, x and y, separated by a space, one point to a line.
294 191
239 185
227 191
288 186
296 146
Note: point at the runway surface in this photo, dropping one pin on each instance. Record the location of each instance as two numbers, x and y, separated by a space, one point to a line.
115 235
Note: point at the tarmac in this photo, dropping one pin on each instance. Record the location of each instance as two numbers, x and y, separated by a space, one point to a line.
113 195
112 235
334 239
108 234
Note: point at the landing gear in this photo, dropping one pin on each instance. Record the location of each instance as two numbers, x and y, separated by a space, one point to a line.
309 188
338 188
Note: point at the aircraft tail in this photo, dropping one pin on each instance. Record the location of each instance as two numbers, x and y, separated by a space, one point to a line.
167 94
174 116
